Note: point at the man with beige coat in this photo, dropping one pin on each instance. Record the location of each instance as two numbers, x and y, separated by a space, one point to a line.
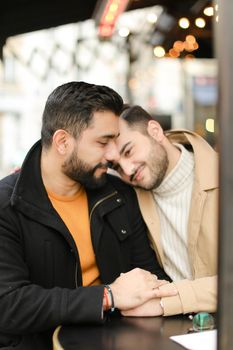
176 176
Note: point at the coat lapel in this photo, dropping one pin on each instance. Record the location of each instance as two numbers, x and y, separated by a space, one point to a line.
151 218
194 223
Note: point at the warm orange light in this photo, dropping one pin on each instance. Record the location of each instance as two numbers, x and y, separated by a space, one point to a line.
195 46
178 45
189 56
109 16
190 39
113 7
188 46
105 30
133 84
173 53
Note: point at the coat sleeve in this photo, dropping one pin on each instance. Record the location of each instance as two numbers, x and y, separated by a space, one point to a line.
26 307
194 296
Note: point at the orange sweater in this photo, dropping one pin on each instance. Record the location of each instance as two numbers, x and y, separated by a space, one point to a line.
74 212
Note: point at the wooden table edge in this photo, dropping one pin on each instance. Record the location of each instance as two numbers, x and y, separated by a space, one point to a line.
56 343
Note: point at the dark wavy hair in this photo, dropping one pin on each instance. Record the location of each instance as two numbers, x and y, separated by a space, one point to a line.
71 107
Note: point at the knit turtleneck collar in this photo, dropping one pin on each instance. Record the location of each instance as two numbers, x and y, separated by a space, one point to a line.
179 177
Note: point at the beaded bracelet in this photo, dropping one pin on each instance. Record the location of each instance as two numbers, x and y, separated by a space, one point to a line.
111 295
106 294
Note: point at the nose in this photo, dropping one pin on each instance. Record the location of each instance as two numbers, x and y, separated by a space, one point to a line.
112 154
126 166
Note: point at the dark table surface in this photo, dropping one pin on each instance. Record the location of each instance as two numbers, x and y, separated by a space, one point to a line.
124 333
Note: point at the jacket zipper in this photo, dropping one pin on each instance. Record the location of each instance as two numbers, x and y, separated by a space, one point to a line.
96 204
101 201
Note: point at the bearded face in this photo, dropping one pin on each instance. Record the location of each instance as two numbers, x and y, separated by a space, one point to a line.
83 173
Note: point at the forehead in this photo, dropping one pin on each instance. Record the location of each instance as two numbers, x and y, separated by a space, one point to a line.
103 123
126 134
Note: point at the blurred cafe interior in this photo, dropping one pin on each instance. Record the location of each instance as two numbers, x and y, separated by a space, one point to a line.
159 54
156 53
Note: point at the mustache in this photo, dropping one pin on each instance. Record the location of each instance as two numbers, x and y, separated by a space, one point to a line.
132 177
106 165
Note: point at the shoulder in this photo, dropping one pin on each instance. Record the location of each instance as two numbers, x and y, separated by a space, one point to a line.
127 193
119 185
7 185
125 190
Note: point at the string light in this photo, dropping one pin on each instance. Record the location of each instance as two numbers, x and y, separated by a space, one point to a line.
178 46
209 11
173 53
159 51
200 22
152 18
184 23
190 38
209 124
124 32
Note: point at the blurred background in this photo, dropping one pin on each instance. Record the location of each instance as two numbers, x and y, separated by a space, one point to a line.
155 53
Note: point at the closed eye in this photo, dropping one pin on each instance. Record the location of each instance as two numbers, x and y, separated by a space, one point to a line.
127 152
103 143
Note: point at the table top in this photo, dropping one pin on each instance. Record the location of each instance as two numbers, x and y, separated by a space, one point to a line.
123 333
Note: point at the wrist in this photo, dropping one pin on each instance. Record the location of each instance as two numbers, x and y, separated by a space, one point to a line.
108 300
105 300
111 298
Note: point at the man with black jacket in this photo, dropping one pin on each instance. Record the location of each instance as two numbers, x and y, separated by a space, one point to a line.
69 233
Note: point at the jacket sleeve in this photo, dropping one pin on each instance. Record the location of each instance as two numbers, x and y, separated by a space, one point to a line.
194 296
27 307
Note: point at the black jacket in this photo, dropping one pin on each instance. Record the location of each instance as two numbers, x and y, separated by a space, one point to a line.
40 275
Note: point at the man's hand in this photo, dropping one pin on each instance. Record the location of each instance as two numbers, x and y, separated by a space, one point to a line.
135 288
150 308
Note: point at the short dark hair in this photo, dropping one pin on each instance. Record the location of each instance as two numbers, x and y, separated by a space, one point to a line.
136 117
71 107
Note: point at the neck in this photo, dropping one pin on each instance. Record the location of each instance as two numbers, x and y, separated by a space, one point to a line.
53 178
173 155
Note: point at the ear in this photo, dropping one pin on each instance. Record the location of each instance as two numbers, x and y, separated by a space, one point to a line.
61 141
155 130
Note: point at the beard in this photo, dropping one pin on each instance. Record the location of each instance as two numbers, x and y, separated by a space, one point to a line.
157 162
81 172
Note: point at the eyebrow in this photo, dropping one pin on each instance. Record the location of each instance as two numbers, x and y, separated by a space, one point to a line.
124 147
109 136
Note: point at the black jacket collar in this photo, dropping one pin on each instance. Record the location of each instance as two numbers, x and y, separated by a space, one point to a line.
29 188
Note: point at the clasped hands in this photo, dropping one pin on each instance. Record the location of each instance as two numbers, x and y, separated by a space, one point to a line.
137 293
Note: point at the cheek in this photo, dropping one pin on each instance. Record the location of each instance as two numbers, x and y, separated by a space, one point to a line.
90 153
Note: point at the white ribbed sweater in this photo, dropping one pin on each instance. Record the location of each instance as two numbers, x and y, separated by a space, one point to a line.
173 199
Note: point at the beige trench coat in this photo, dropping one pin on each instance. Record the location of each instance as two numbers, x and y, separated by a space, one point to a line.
199 294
